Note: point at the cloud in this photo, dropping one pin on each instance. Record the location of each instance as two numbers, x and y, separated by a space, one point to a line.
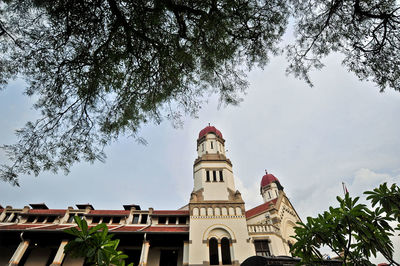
367 179
251 195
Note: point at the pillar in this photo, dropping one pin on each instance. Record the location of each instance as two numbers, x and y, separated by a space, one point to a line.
219 252
60 253
185 253
145 253
231 249
19 252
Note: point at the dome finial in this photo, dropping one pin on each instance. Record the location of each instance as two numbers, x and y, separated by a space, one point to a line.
266 172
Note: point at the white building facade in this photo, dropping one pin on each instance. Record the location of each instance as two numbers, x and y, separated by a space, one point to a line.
214 228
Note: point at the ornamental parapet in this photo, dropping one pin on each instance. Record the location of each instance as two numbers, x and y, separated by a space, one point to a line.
255 229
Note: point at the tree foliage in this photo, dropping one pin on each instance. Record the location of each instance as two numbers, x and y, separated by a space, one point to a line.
366 32
103 68
387 199
94 244
352 231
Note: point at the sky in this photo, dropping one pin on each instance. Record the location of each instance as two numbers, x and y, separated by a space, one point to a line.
311 138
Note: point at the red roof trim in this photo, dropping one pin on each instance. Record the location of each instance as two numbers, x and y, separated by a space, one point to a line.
108 212
118 228
260 208
173 212
126 228
31 226
166 229
17 226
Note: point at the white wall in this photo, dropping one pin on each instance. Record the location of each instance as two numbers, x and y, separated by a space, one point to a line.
201 228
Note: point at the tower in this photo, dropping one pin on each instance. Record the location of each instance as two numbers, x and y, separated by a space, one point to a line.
271 224
270 187
212 170
218 230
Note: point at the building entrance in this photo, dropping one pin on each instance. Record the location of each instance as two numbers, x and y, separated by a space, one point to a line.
169 258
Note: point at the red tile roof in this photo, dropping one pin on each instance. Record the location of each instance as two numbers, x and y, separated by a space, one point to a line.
171 212
47 212
109 212
112 228
260 208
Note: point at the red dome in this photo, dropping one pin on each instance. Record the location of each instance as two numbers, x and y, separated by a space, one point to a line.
210 129
268 179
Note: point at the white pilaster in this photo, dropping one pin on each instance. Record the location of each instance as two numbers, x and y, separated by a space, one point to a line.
219 252
145 253
60 253
185 253
19 252
231 249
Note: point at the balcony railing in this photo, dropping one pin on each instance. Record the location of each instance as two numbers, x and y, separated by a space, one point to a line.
262 228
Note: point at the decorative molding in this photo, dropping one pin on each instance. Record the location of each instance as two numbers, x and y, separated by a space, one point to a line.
219 226
218 217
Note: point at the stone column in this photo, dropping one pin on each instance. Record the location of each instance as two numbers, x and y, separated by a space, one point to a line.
145 253
19 252
231 249
185 253
219 252
60 253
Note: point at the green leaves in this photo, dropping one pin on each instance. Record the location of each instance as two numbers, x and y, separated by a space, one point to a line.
94 244
365 32
352 230
388 199
102 69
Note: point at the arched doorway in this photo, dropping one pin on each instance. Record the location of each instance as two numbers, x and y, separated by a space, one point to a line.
226 251
213 248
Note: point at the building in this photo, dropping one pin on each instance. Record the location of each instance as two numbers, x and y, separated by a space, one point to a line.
214 228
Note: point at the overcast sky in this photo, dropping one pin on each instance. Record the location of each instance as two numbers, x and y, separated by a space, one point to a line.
311 139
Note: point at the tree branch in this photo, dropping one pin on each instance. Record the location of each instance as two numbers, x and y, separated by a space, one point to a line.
122 21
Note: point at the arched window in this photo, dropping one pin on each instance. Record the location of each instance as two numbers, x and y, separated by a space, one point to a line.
213 246
226 251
